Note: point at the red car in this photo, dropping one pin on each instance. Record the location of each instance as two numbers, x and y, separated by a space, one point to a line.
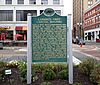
97 40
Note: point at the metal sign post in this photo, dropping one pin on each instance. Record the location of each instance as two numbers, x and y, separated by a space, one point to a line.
29 50
70 60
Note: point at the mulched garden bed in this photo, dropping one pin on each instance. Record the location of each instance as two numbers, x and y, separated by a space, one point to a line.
15 79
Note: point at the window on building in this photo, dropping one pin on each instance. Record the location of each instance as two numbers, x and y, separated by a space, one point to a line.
97 25
41 11
85 36
23 34
99 17
21 15
44 1
9 34
89 35
56 1
32 1
20 2
6 35
90 2
93 35
8 1
6 15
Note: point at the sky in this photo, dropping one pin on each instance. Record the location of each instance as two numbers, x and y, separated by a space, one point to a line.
68 7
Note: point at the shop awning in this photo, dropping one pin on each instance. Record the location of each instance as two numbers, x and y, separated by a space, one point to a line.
19 28
24 27
18 35
4 28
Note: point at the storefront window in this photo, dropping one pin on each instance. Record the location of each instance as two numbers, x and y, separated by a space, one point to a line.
21 35
89 36
6 35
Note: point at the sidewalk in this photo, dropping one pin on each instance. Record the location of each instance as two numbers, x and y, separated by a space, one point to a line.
89 50
13 48
84 47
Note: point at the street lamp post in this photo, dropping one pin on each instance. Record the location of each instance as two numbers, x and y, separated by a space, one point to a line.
79 30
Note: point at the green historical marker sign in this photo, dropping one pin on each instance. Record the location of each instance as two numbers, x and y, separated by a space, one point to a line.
49 37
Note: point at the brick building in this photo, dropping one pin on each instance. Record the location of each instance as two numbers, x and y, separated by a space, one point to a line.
92 23
79 6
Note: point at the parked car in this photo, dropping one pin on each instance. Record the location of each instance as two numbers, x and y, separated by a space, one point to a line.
75 41
1 45
98 40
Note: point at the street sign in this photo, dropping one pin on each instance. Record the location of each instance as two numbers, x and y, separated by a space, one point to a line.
49 40
8 72
49 37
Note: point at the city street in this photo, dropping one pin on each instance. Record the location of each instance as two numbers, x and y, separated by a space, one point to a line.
90 50
13 53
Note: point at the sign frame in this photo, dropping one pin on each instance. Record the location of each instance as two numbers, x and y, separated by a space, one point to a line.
49 37
69 49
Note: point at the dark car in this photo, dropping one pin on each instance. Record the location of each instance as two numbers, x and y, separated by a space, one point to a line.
1 45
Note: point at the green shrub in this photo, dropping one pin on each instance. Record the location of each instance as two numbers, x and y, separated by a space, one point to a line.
46 83
50 66
99 83
34 78
77 83
86 66
2 74
12 64
56 67
22 65
23 74
95 74
60 67
3 64
38 67
23 70
49 74
63 74
2 70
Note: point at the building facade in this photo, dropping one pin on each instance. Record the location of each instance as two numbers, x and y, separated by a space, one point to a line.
79 6
92 23
13 16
